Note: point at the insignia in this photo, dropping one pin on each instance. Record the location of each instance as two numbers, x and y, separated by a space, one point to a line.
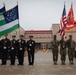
22 41
19 40
12 48
5 47
30 44
20 48
29 49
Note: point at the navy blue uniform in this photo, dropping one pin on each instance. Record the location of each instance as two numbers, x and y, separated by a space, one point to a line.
13 51
5 47
21 44
0 50
31 51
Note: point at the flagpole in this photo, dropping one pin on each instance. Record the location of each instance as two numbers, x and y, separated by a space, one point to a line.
18 21
71 7
3 4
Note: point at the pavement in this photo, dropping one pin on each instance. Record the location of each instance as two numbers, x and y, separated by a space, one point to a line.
43 66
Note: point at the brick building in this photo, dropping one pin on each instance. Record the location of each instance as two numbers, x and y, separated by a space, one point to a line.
42 37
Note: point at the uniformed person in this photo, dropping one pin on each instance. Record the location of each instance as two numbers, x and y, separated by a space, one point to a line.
5 47
63 50
71 49
21 44
0 49
55 44
13 50
31 50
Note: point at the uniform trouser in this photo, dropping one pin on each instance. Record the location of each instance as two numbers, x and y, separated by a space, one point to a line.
31 57
71 54
55 54
0 52
63 54
12 56
21 56
4 56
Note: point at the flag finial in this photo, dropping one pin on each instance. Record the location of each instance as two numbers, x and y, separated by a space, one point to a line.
64 2
71 4
3 4
17 2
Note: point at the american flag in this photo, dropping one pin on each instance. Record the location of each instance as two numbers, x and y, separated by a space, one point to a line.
63 23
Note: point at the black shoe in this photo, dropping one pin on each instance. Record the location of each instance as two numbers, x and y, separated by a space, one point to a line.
12 64
21 64
72 63
63 63
55 63
29 63
2 64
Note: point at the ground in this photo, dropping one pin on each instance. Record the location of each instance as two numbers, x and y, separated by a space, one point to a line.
43 66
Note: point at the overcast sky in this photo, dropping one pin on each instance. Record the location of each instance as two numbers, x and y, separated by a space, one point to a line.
39 14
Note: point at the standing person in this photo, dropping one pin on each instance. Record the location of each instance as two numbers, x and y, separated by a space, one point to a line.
55 44
0 49
21 44
31 50
5 47
71 49
13 50
63 50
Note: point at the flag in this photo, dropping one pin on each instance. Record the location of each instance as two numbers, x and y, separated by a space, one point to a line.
2 9
63 23
70 19
9 21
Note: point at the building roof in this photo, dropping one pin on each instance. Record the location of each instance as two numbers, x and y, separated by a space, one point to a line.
38 32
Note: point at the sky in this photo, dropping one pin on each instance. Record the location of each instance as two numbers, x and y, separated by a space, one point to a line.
39 14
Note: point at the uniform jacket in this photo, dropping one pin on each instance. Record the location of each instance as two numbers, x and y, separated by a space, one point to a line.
54 44
62 44
31 45
21 44
5 43
70 44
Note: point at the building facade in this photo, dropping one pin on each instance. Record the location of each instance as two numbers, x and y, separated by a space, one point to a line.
17 32
42 37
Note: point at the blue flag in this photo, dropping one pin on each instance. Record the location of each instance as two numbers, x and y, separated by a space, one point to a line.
9 21
2 9
11 15
64 11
